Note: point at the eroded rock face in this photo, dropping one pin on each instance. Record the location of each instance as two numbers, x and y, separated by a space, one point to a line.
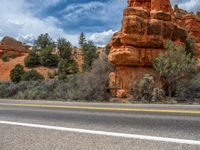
191 22
9 45
146 25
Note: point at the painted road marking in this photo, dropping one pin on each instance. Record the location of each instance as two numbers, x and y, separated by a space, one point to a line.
105 108
104 133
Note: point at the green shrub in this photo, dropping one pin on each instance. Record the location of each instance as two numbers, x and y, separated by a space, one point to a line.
65 48
49 90
147 91
48 59
62 76
5 57
190 46
43 41
8 89
32 60
158 95
189 89
12 54
146 87
63 66
90 54
72 67
173 65
32 75
67 66
17 73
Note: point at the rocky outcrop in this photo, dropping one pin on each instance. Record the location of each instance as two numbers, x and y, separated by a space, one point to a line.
10 46
146 25
77 54
191 22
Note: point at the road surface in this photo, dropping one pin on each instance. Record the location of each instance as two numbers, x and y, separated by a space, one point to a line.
43 125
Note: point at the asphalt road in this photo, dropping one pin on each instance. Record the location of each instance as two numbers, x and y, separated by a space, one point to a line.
33 125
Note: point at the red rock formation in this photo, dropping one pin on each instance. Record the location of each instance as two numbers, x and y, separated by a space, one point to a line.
146 25
9 45
191 22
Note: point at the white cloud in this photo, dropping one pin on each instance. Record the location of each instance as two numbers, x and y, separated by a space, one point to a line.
18 21
101 38
102 11
28 39
190 5
83 9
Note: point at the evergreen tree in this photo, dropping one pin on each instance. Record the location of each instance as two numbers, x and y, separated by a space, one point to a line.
90 54
82 39
65 48
43 41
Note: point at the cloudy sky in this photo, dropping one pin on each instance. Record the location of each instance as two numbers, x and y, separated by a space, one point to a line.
98 19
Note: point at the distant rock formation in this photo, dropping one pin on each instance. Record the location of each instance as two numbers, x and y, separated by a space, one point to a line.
146 25
9 45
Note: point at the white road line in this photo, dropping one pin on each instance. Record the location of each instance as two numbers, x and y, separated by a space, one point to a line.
104 133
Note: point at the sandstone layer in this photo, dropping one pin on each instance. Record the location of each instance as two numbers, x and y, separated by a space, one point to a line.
146 25
191 22
11 46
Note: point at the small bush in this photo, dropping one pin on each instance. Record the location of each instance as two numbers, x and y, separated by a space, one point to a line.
49 90
51 75
32 75
62 76
93 85
32 60
189 89
147 91
146 87
67 66
12 54
48 59
5 57
63 66
190 46
8 89
158 95
17 73
134 94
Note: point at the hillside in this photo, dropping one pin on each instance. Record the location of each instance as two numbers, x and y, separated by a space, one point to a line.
6 67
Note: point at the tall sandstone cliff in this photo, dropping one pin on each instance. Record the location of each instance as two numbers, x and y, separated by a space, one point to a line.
146 25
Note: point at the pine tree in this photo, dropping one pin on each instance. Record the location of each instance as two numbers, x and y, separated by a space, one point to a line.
65 48
82 39
90 54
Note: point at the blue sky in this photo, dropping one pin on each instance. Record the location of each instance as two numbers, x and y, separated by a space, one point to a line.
98 19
